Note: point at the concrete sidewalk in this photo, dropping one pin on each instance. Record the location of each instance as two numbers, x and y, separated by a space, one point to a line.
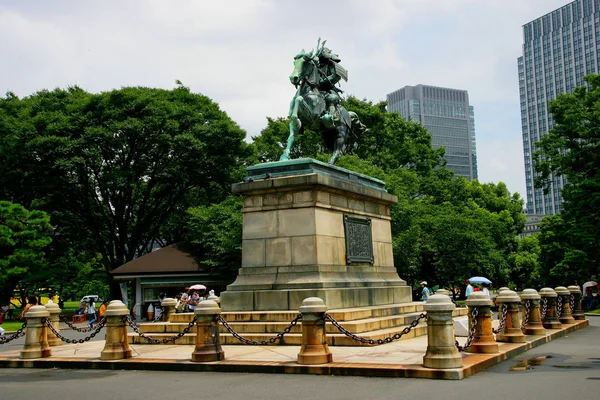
402 358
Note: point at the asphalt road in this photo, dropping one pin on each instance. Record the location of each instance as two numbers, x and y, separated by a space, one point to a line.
571 372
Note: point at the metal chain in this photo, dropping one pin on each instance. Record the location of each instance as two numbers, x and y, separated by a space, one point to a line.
502 321
96 330
259 342
389 339
70 325
527 311
471 337
559 306
544 308
19 333
572 303
136 329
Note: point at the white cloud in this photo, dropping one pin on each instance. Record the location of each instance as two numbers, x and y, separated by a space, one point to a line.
240 53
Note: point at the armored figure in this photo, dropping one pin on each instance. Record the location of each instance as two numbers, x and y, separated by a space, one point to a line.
331 72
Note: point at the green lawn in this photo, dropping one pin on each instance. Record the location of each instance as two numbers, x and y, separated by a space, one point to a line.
11 326
596 311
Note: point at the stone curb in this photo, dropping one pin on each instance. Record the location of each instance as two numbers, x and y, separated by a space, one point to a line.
473 363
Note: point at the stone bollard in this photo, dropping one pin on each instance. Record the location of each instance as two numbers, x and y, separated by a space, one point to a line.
534 323
214 298
498 302
36 334
116 346
208 346
168 305
54 311
502 289
314 348
577 311
512 328
483 341
441 348
565 316
550 320
444 292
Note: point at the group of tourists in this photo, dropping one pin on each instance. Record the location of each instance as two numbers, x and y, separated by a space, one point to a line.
89 310
188 300
483 287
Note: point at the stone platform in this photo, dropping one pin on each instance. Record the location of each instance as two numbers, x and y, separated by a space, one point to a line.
375 322
314 230
398 359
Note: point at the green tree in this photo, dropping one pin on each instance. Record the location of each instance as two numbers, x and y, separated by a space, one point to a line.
525 264
24 235
118 170
572 149
216 231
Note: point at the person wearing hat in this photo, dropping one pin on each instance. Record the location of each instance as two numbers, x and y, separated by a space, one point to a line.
425 292
469 288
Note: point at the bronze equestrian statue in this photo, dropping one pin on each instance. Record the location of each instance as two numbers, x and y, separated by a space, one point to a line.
316 104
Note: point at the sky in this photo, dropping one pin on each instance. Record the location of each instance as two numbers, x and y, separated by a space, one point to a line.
240 54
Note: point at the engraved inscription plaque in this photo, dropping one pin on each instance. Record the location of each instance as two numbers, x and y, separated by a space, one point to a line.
359 241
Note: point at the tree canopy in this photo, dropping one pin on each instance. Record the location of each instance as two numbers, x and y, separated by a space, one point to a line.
117 170
572 149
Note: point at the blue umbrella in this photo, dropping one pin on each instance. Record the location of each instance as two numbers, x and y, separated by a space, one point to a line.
479 279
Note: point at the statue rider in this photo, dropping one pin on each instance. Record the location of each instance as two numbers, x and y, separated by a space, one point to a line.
331 72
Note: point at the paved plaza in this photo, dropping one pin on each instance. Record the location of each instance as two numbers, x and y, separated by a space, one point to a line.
572 372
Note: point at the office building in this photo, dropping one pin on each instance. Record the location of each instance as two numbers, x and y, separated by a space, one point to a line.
449 118
559 49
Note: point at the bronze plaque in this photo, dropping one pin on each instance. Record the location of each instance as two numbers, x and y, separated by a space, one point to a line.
359 240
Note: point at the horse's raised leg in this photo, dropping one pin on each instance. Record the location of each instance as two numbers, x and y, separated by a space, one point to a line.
295 126
339 143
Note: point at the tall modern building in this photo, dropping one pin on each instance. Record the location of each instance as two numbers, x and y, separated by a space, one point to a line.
559 49
449 118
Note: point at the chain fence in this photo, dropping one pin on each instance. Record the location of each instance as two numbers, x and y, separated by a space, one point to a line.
502 320
559 306
471 337
572 303
389 339
70 325
149 339
527 311
272 340
19 333
544 308
93 333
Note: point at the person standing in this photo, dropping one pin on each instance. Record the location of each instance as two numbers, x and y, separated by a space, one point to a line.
102 310
424 291
91 313
484 289
469 289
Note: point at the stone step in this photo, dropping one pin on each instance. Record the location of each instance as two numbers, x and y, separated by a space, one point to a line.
346 314
291 339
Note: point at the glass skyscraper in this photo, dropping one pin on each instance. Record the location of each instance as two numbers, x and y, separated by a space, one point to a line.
559 49
449 118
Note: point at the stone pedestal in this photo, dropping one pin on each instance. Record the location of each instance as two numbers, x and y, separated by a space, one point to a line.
534 323
314 349
483 341
54 311
36 339
550 320
168 305
208 346
512 327
116 346
577 311
441 348
314 230
565 316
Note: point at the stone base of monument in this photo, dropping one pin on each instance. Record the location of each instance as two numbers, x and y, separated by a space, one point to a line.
314 230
